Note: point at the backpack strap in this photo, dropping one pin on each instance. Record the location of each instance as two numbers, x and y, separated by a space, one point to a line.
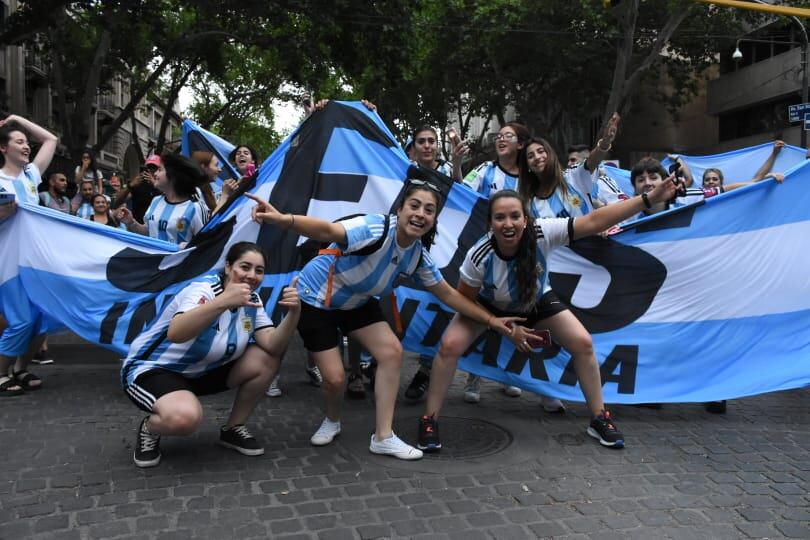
337 252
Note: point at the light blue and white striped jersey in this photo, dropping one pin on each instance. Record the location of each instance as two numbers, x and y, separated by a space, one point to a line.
175 222
496 275
357 278
85 210
581 184
223 341
445 167
24 185
489 178
608 191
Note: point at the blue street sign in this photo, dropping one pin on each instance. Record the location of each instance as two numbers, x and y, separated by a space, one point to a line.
797 112
807 121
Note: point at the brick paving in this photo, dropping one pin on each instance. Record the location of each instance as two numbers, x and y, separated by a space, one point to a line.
67 469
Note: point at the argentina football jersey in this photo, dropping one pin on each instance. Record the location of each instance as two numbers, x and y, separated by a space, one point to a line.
24 186
175 222
489 178
577 199
223 341
356 278
495 275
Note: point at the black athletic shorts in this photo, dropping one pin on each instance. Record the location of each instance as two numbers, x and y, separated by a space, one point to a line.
548 306
151 385
321 329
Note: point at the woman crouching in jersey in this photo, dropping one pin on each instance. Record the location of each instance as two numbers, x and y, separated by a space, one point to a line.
213 336
338 290
506 272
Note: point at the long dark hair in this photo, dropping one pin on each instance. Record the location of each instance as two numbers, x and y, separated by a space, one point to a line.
93 165
530 183
526 267
5 136
429 238
204 158
184 174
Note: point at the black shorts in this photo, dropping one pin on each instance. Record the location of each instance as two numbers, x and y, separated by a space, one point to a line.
321 329
156 383
548 306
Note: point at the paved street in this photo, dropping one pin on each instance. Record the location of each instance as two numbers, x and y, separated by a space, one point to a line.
509 470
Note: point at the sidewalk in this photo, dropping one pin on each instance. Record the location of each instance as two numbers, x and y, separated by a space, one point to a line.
508 470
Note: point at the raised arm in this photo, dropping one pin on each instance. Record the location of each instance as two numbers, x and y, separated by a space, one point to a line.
311 227
763 171
603 218
604 144
39 134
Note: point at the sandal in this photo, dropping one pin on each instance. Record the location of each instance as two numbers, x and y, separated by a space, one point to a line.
7 387
24 378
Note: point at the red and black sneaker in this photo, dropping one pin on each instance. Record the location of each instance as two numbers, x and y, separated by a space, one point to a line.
603 429
429 434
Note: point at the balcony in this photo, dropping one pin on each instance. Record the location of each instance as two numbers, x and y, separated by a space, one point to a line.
35 66
106 105
768 80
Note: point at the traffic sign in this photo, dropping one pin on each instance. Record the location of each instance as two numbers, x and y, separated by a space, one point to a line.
807 121
797 112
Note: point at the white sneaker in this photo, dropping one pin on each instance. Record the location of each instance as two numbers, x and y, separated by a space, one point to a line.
326 433
512 391
552 405
394 446
472 389
274 390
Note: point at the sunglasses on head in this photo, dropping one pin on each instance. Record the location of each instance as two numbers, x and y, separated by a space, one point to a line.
429 185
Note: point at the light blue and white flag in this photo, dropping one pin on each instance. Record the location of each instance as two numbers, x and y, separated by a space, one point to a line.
705 302
737 165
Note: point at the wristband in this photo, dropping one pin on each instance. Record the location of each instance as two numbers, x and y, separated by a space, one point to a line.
292 223
646 200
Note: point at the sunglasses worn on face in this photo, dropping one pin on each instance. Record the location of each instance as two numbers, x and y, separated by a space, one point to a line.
423 140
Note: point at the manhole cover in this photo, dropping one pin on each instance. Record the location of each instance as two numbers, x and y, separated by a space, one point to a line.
462 438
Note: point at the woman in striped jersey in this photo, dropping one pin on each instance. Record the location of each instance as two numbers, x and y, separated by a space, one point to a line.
502 173
338 289
177 214
214 335
505 271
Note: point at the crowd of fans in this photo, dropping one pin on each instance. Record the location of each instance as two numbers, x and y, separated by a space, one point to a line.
171 199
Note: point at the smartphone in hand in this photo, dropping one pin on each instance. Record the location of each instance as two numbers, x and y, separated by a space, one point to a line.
539 339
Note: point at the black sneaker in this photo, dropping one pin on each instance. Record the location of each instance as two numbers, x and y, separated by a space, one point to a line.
429 434
603 428
355 388
147 447
239 438
419 385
